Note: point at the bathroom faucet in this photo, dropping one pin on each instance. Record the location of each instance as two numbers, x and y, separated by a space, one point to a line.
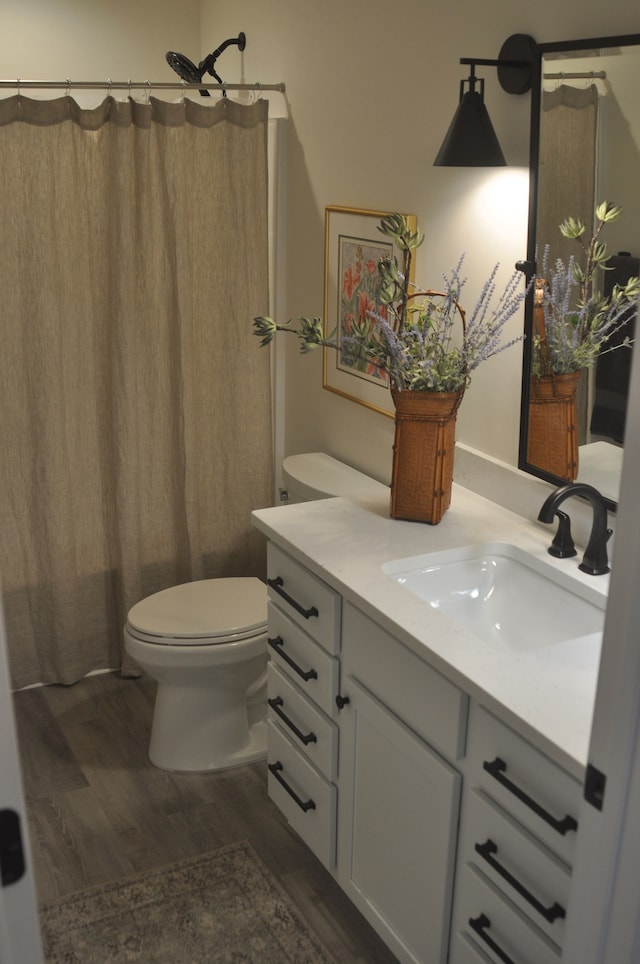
595 560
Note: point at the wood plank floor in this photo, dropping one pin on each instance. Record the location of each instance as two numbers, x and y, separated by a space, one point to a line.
99 811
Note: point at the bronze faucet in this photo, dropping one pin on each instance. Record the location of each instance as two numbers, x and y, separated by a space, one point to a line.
595 560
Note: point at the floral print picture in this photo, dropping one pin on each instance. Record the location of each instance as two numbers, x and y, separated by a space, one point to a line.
359 283
353 247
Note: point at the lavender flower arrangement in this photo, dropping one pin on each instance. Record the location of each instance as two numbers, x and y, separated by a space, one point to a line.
577 320
421 339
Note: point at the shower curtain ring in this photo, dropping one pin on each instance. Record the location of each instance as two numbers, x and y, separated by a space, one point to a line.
68 94
108 86
146 93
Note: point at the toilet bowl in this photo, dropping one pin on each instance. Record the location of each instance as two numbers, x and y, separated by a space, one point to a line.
205 643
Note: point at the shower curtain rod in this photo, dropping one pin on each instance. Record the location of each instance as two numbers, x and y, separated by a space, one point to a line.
129 85
587 75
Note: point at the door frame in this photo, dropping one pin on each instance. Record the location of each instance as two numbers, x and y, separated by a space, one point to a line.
19 923
603 913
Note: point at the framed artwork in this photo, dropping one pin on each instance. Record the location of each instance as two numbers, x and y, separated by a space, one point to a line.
353 245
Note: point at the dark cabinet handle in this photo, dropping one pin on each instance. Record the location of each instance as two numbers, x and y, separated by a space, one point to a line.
276 705
277 584
497 769
487 851
277 643
342 701
480 925
305 805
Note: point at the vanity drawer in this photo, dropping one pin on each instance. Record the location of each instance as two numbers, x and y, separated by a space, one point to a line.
307 800
302 660
466 951
536 881
488 922
306 599
421 697
540 794
306 727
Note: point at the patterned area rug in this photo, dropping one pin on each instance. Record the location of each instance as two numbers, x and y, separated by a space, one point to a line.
221 907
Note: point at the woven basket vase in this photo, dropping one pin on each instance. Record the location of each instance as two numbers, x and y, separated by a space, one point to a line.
423 450
552 440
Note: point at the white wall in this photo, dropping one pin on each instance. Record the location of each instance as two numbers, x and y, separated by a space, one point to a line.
371 89
95 39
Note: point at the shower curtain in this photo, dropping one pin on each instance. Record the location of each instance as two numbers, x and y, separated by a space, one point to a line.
135 430
567 165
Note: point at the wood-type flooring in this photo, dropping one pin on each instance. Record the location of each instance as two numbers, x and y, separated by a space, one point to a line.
99 811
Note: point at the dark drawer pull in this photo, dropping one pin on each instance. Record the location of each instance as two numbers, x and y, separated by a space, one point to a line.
480 925
305 738
277 584
550 914
277 643
305 805
497 770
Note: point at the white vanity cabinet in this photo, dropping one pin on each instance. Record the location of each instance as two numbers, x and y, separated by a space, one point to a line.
398 796
303 676
451 833
517 839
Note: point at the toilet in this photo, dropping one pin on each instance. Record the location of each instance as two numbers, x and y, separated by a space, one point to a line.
205 643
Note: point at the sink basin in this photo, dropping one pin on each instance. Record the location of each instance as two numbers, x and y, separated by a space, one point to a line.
502 594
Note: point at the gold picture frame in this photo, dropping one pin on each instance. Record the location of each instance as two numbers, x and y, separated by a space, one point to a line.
353 245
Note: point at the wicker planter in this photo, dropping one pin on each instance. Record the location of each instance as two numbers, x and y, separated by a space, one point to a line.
423 452
552 441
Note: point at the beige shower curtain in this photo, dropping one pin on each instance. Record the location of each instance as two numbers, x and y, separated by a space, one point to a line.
567 165
134 402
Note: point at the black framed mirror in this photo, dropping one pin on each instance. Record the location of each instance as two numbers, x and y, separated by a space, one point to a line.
585 149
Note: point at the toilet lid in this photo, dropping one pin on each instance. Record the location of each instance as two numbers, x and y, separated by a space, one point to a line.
208 608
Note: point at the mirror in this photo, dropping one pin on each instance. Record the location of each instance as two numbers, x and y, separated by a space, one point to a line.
585 148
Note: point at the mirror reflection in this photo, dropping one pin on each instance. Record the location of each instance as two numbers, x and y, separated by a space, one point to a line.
585 149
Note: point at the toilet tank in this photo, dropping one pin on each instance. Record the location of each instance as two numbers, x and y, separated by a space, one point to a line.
315 475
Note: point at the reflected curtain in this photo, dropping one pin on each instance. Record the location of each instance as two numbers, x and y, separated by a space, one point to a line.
567 182
135 429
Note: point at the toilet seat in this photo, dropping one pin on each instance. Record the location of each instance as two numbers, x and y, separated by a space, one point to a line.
202 613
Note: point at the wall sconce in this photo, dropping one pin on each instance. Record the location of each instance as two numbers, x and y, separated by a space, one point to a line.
471 140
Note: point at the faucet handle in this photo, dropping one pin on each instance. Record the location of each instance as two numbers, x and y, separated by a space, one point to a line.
595 560
562 546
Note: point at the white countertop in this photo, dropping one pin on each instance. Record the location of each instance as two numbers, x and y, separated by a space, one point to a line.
547 694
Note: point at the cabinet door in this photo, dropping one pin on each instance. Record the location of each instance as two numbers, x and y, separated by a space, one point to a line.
398 804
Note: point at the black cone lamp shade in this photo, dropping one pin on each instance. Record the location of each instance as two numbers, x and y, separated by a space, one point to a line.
471 140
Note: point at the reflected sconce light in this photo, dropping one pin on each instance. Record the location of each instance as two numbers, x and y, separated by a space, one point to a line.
471 140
